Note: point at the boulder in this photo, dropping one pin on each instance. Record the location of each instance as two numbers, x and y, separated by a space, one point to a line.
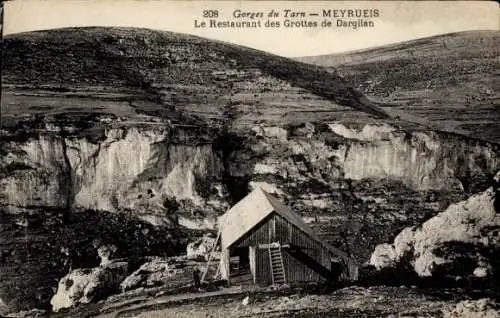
245 301
202 247
85 285
481 272
403 243
384 256
465 233
151 274
462 227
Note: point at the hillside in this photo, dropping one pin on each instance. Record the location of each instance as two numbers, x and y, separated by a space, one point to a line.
451 80
132 71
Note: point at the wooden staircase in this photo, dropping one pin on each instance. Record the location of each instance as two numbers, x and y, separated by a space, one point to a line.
276 262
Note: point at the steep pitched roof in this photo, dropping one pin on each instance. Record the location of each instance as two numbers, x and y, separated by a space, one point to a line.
243 216
252 209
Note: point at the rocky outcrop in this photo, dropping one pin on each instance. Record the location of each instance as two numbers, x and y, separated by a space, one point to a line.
34 173
462 240
481 308
384 256
155 272
203 247
37 249
473 222
169 272
81 286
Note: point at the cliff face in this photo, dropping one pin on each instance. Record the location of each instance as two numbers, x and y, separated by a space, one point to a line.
128 169
35 173
139 168
423 160
420 160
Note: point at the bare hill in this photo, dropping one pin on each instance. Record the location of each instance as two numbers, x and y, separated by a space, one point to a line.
127 72
450 80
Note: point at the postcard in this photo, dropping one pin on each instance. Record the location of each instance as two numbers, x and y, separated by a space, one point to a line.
249 158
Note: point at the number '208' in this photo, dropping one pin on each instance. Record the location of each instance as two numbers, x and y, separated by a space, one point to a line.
210 13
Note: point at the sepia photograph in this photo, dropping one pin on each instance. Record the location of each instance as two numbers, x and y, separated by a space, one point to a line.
249 159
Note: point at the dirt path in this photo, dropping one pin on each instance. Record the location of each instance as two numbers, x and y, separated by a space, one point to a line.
140 304
346 302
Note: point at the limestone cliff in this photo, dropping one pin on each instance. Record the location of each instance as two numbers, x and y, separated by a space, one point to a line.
128 169
140 168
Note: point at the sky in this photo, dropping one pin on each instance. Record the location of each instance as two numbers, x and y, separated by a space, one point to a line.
398 20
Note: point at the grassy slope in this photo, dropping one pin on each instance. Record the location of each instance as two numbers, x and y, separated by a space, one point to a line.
450 80
127 72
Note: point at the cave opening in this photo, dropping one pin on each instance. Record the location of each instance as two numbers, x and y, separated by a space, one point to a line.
227 145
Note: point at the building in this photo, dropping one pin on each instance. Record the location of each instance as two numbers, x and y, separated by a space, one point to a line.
265 243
